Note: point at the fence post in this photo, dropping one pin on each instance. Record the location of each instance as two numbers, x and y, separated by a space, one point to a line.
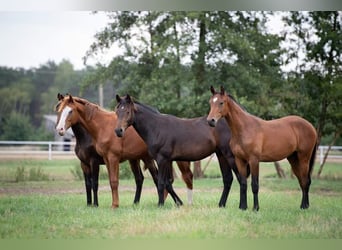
321 151
50 150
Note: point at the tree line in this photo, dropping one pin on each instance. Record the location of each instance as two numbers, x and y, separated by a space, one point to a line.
170 59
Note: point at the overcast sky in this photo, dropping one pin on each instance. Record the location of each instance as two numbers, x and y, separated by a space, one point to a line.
31 38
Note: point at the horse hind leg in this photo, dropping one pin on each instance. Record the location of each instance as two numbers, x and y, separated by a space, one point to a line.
187 176
300 167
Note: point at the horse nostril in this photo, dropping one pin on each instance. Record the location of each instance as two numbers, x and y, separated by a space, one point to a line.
119 132
212 122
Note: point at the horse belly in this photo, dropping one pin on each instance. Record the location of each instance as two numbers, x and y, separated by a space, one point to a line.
192 150
277 149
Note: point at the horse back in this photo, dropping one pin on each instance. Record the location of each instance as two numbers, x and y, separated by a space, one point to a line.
283 136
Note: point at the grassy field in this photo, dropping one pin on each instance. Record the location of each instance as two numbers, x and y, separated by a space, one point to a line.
56 207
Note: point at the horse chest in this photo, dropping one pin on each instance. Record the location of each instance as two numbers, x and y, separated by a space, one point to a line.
240 148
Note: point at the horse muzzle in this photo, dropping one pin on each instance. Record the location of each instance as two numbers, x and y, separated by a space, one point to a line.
61 131
212 122
119 132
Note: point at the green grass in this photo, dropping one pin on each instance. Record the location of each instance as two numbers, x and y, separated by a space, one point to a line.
57 208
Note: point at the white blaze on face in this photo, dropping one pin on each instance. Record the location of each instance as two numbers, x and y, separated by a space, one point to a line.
215 99
61 124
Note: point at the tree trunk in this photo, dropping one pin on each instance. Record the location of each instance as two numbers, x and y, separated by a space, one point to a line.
280 171
337 134
198 173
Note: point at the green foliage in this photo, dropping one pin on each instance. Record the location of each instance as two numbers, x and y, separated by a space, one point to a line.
20 174
17 127
35 174
170 59
77 172
124 172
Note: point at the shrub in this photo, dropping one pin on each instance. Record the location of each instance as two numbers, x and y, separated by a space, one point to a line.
124 172
20 174
37 174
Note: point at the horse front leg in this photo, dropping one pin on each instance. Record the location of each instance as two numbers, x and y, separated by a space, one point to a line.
165 182
227 178
255 183
87 181
139 179
95 169
242 168
113 174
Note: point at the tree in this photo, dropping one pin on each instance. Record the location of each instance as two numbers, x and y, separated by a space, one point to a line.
17 127
319 35
170 59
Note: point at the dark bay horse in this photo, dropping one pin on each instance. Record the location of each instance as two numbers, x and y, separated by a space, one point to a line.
100 124
171 138
90 162
254 140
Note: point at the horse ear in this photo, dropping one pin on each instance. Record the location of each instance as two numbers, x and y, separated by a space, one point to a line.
60 97
118 98
128 98
212 90
222 90
70 99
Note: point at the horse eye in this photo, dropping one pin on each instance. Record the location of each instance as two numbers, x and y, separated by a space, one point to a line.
70 112
221 103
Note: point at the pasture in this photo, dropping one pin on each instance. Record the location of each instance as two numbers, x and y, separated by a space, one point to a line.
55 208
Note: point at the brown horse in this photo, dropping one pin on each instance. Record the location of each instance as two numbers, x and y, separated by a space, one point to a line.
100 124
171 138
254 140
91 160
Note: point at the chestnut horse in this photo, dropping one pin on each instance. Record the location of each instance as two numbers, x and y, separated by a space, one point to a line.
171 138
91 160
254 140
100 124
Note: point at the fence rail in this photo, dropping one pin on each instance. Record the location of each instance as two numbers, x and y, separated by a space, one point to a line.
50 149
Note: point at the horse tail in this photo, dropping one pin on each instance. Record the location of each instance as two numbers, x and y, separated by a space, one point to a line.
312 159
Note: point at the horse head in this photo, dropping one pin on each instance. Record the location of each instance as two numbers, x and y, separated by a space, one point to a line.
65 113
125 113
218 106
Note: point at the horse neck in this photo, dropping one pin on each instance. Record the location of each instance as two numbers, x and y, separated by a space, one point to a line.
92 126
237 118
144 121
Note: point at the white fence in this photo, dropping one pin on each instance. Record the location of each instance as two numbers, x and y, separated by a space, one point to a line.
52 149
36 149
